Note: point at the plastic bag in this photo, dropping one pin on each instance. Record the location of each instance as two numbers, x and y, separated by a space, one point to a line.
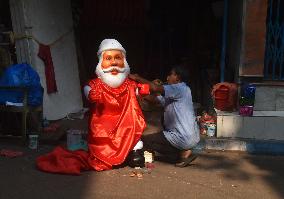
25 76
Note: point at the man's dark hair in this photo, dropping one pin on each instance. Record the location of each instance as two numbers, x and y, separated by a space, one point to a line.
182 73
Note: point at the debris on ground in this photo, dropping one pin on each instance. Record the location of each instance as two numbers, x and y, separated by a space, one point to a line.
137 174
149 165
51 128
10 153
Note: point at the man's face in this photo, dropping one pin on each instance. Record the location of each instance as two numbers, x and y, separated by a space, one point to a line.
112 68
172 78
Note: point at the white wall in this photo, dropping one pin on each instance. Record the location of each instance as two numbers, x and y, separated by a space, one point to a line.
263 125
47 20
269 98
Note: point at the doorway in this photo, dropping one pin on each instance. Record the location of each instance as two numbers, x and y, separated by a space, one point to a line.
156 34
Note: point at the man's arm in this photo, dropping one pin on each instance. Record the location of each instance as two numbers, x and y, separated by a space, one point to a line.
153 87
152 99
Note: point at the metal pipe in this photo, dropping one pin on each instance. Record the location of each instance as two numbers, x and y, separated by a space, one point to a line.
224 41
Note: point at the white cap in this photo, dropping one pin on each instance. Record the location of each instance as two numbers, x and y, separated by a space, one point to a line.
110 44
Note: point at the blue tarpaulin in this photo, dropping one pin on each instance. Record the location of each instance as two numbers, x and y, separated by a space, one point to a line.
22 75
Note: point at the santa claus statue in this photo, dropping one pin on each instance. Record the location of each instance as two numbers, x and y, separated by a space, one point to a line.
116 121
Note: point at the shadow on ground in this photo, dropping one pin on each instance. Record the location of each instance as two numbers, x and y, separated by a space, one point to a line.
244 167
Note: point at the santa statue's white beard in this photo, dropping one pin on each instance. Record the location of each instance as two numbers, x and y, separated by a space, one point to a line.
108 78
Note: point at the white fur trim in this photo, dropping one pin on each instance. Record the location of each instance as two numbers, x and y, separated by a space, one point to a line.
139 145
110 44
86 91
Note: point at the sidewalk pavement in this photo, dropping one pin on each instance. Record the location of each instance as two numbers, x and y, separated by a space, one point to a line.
214 174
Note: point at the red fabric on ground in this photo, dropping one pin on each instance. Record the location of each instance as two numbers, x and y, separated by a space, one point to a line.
61 160
45 54
10 153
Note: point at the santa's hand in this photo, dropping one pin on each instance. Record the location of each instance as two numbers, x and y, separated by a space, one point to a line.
144 89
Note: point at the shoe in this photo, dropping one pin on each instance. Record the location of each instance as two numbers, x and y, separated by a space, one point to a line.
136 159
186 161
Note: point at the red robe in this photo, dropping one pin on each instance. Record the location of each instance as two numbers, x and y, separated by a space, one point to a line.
116 123
115 126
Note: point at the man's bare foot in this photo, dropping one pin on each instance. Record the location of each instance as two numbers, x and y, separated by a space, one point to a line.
186 157
185 154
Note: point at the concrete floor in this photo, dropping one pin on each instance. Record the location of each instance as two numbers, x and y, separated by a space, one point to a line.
213 175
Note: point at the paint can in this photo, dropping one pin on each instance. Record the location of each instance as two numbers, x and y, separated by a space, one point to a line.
211 129
76 140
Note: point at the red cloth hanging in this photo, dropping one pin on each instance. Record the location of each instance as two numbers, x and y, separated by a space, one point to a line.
45 54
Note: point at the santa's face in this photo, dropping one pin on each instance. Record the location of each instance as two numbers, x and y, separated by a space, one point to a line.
112 68
113 58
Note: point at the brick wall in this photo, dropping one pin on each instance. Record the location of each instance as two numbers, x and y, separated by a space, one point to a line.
254 24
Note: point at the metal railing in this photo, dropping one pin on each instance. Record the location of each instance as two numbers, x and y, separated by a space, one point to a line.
274 49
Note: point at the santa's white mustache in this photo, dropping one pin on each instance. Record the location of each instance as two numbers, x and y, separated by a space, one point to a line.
114 68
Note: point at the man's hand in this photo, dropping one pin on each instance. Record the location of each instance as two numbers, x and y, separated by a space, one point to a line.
158 82
144 89
152 99
153 86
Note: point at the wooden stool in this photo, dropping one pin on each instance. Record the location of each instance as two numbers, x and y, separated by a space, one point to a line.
24 110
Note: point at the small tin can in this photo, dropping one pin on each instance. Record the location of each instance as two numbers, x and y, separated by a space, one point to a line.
33 141
211 129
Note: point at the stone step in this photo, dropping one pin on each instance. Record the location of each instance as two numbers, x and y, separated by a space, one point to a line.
263 125
253 146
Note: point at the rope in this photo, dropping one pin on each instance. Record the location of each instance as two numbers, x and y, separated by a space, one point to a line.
20 37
